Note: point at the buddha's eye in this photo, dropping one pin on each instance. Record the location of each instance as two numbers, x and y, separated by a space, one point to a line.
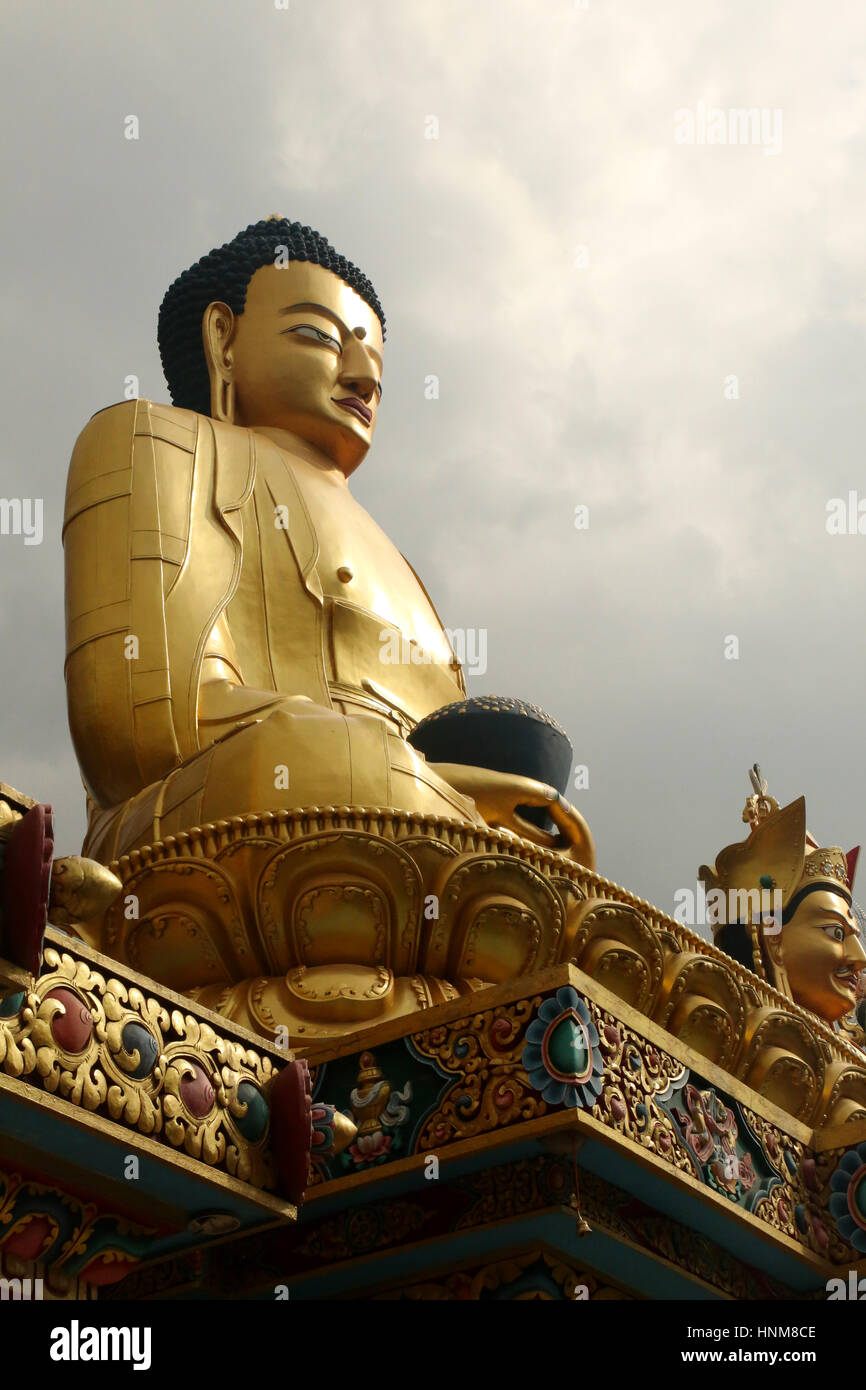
309 330
836 933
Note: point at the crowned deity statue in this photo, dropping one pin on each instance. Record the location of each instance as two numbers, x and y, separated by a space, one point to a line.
232 616
782 905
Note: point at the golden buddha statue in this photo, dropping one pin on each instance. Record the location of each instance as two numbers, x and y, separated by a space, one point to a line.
785 907
228 606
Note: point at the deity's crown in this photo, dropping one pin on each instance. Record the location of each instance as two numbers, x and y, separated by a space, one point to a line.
779 856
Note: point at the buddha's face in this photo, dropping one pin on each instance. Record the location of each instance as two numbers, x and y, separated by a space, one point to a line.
821 953
304 356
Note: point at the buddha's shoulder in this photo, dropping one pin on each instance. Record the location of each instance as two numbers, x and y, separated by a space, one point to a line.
177 441
126 419
108 441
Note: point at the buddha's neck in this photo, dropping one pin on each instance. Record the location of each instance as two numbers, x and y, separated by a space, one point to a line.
302 449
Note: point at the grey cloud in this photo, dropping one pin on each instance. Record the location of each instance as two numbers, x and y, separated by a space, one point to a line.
558 385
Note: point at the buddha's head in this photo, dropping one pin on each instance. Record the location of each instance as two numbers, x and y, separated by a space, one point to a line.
811 950
276 330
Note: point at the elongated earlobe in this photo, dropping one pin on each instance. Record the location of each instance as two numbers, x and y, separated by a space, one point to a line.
222 399
217 330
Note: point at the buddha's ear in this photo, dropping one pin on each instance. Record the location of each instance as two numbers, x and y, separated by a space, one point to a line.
217 331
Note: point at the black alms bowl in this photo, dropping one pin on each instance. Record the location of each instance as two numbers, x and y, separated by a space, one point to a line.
502 734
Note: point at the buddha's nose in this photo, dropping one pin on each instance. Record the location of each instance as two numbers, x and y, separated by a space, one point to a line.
358 374
360 383
854 951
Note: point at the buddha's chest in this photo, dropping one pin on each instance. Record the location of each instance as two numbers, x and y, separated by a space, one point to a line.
359 565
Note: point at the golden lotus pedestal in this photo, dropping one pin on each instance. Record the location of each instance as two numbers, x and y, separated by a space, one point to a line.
311 925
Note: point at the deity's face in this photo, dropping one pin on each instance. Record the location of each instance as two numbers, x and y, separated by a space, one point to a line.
821 953
305 343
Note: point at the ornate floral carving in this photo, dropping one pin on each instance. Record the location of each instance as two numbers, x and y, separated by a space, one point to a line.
561 1053
848 1197
65 1236
108 1047
492 1088
507 1065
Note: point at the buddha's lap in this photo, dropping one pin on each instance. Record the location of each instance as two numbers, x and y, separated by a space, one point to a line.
282 761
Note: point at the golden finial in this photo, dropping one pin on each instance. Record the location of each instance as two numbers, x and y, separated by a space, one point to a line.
759 806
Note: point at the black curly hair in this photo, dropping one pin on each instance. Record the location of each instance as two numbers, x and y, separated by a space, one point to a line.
224 274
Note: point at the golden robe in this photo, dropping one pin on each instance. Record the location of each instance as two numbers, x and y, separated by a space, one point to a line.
213 669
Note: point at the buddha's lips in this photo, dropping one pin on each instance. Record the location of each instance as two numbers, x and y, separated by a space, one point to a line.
847 977
356 405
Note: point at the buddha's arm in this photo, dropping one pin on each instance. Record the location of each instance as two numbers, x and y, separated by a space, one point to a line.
147 559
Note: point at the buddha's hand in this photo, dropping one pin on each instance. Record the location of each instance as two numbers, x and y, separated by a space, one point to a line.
497 796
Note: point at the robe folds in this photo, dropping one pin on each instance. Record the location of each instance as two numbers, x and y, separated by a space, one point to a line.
174 562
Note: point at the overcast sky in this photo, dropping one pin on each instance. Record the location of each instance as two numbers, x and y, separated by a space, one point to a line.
586 288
